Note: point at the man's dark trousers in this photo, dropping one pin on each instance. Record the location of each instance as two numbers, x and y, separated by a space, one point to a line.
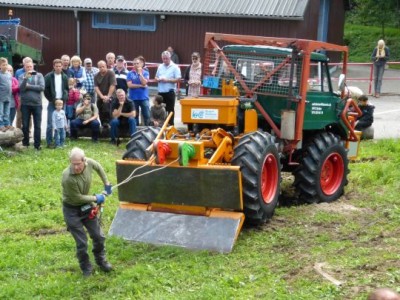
76 220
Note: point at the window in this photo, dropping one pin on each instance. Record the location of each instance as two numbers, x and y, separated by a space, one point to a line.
284 76
124 21
255 70
318 80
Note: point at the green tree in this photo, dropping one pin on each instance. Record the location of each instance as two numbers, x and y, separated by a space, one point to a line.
382 13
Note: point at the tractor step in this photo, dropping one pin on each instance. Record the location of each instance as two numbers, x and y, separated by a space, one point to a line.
216 232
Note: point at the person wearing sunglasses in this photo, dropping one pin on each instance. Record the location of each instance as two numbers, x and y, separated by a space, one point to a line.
193 76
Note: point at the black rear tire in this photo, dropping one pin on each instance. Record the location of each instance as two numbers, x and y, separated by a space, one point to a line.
322 173
258 158
140 141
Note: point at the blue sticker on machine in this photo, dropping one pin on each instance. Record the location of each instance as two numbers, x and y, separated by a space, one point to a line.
210 82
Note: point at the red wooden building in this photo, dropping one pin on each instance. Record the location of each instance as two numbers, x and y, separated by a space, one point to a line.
94 28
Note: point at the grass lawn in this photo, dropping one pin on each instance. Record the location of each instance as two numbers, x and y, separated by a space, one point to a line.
362 41
354 240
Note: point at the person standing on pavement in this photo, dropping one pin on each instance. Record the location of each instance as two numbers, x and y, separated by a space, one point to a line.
21 71
5 95
104 85
379 56
78 209
193 76
110 59
55 87
120 74
31 85
174 56
59 122
66 63
139 91
78 71
168 74
89 83
17 74
15 103
74 97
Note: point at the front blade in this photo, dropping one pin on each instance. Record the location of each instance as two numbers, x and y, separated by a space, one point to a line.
218 232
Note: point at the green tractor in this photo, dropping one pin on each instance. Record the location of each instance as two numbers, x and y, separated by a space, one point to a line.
17 42
269 106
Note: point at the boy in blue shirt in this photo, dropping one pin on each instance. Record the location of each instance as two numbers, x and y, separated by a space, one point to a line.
59 121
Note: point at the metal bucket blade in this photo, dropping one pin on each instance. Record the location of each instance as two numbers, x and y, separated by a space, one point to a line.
193 232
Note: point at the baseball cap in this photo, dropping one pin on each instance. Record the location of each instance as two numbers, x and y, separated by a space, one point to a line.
120 57
87 96
87 61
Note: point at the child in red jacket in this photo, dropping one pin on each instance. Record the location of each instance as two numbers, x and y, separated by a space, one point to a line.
74 97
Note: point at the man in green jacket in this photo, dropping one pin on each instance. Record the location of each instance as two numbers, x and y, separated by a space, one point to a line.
55 87
78 208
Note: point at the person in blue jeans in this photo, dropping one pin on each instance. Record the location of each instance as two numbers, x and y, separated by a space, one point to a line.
138 90
31 84
5 95
55 87
87 115
59 123
379 56
123 114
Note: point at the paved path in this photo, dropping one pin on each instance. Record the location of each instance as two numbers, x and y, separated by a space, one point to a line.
387 107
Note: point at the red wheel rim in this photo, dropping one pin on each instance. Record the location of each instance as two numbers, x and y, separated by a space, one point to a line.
269 178
332 172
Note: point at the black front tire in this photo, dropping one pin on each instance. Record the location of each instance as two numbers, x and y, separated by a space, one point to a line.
258 158
140 141
322 173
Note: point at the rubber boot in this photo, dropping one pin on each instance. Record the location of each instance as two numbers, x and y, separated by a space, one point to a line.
104 265
86 267
84 263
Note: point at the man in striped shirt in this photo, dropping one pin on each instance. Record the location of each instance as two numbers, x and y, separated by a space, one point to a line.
89 84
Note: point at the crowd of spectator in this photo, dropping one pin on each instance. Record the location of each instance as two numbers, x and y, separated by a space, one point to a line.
108 97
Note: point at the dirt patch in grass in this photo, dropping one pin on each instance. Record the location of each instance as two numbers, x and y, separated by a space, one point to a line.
338 207
366 237
368 159
47 231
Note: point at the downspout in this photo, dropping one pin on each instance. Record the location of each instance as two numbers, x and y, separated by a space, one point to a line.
323 27
323 20
78 33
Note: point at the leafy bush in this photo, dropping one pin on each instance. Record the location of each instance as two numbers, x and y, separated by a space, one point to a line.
362 40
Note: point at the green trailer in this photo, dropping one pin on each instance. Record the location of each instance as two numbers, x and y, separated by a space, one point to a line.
17 42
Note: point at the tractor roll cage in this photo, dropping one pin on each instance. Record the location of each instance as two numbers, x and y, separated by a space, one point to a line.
303 46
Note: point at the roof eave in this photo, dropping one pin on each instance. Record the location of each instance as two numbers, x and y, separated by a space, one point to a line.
167 13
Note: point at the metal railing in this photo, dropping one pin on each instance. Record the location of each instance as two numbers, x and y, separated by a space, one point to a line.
364 80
